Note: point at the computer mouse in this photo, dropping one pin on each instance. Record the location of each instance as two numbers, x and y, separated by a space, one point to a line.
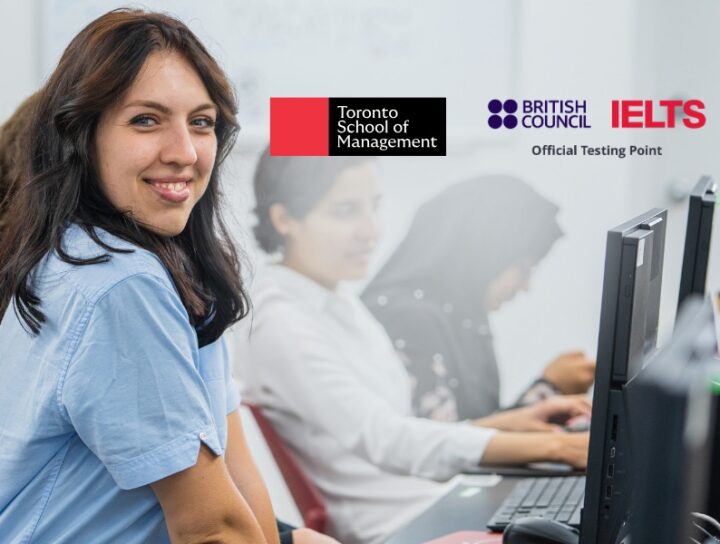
539 531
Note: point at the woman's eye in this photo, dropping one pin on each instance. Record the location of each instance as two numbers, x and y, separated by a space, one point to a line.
143 121
203 122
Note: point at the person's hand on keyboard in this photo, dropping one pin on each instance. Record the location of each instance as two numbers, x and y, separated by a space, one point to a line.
542 416
522 448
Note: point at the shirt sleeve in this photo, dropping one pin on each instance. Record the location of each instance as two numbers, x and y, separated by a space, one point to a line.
132 389
306 373
232 395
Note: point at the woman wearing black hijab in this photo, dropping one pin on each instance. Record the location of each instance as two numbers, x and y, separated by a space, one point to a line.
468 250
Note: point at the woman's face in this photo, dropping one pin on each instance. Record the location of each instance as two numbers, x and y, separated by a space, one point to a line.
156 147
335 240
509 283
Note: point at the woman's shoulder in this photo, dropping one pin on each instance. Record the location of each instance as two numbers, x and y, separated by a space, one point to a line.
276 286
410 316
284 301
93 280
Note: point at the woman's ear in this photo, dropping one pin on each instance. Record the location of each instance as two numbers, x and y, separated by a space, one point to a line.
281 219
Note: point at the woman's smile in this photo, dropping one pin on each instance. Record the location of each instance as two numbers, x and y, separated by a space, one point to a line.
171 189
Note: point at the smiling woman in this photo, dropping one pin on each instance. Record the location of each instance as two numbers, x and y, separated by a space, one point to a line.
118 117
158 144
117 280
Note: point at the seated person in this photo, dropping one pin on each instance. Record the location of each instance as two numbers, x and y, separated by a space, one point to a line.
113 452
327 376
486 236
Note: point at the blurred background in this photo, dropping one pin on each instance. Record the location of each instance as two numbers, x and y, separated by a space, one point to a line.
469 52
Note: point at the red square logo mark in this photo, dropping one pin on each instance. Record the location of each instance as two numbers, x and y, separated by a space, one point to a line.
299 126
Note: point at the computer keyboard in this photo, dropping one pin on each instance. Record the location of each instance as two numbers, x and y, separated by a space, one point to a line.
558 498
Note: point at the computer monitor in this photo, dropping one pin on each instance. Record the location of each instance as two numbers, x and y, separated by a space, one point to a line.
702 446
628 333
697 238
672 418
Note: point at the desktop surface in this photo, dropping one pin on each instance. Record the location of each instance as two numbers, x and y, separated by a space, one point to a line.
466 507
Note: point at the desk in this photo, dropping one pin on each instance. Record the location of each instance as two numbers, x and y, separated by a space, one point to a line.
455 512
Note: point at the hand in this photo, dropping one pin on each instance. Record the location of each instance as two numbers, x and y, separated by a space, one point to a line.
308 536
573 449
542 416
571 372
523 448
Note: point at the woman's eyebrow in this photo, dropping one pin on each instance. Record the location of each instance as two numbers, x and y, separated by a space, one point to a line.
164 109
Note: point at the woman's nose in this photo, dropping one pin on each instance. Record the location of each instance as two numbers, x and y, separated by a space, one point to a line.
369 227
179 148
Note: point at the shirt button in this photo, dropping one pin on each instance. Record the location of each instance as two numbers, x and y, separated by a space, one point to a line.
418 294
382 300
202 436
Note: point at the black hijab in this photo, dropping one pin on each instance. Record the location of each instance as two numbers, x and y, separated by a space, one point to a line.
465 237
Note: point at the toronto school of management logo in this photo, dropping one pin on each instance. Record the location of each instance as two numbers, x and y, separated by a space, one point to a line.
573 113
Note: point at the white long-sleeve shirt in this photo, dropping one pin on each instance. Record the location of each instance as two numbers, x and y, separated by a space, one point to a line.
329 380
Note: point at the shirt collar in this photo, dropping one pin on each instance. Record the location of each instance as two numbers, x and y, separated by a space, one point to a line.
337 303
309 290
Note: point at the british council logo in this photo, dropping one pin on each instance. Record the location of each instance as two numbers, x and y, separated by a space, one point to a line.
497 108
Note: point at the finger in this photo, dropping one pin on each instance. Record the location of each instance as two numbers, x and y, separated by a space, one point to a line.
573 405
580 397
580 463
582 407
543 427
571 402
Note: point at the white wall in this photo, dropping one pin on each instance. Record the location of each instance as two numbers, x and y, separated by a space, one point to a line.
676 55
19 53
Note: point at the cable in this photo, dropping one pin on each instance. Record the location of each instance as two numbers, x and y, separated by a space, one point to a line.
708 519
705 531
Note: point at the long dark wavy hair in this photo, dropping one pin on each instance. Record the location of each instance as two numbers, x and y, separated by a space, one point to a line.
61 185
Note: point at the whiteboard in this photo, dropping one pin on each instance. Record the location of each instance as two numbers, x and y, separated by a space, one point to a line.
459 49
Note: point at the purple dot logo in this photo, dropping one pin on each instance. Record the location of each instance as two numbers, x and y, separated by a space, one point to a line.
497 108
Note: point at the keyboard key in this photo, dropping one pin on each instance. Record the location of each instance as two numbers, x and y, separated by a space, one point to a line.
563 492
577 493
549 493
534 493
575 518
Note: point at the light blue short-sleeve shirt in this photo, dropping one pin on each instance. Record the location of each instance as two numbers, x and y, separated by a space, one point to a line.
112 395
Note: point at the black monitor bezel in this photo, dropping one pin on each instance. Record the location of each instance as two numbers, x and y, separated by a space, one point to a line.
696 254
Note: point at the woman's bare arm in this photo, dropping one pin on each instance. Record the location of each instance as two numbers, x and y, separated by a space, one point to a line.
202 505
